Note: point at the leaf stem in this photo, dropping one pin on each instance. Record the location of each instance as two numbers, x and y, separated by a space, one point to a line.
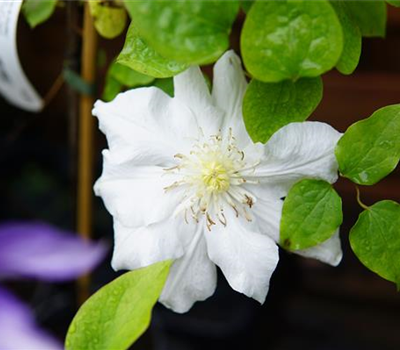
85 141
54 89
361 204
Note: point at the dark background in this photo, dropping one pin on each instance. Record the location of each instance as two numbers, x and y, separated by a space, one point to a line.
310 305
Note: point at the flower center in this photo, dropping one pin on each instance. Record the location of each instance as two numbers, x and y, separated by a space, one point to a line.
215 177
212 177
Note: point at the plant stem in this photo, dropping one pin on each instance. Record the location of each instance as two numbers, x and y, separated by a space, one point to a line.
85 140
72 61
362 205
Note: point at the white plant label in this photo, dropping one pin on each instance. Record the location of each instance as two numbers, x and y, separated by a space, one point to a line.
14 85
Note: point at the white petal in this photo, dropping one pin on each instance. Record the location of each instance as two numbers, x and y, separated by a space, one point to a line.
329 252
268 215
135 195
146 125
139 247
228 90
192 91
192 278
246 258
298 151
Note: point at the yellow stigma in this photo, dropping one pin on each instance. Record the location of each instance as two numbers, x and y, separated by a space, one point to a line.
215 177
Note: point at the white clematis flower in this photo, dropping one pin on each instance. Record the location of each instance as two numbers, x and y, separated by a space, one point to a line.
184 181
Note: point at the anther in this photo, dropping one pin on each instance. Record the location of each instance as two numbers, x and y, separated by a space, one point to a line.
179 156
249 200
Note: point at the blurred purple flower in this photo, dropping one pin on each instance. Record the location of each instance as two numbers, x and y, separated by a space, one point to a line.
39 251
18 329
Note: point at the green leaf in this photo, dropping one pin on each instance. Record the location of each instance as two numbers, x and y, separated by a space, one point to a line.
311 214
129 77
370 148
37 12
195 32
119 313
246 5
109 21
269 106
112 88
166 85
290 39
370 16
395 3
375 239
120 77
352 39
139 56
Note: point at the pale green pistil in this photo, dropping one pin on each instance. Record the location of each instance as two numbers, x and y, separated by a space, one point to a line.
215 177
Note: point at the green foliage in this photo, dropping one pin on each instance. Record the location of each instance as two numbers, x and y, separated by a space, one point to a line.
312 212
290 39
137 55
370 148
269 106
195 32
119 313
37 12
370 16
109 21
120 77
395 3
352 39
166 85
375 239
246 5
112 88
129 77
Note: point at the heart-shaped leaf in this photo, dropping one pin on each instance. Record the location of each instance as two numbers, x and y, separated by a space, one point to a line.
290 39
109 21
312 213
375 239
138 55
269 106
370 148
195 32
352 39
37 12
370 16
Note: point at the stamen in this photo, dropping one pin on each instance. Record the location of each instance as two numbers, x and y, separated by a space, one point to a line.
176 167
180 156
213 174
174 185
236 211
223 220
210 222
249 201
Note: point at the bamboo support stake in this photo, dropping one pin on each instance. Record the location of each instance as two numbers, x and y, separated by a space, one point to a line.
85 141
